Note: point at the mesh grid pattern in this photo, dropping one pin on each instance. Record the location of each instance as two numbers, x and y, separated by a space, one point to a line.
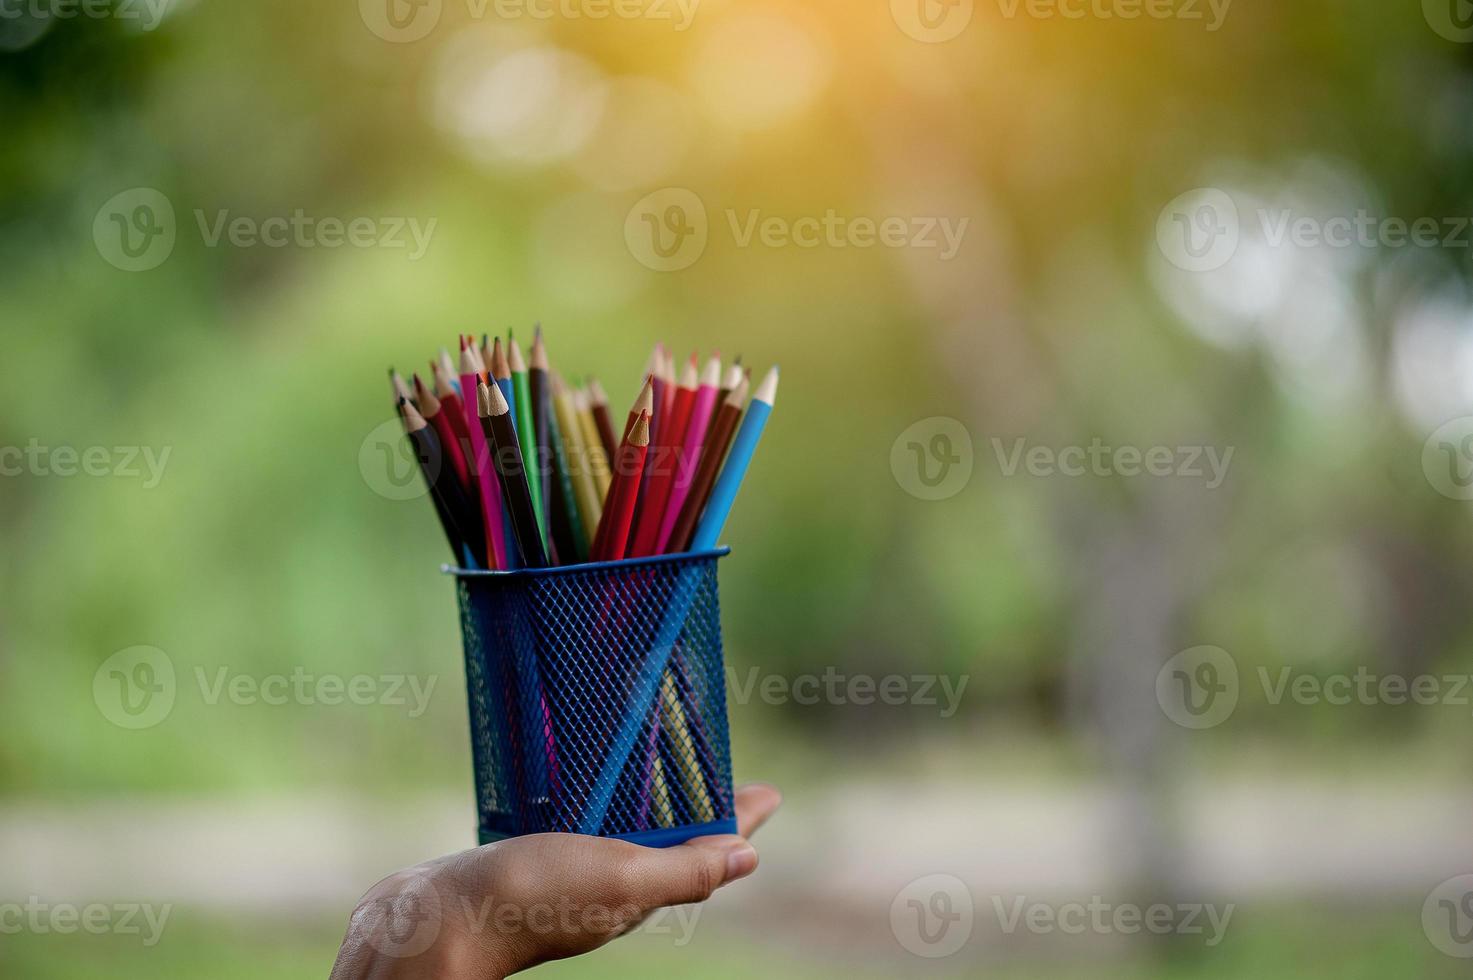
597 698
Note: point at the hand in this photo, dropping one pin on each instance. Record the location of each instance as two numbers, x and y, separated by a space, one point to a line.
494 910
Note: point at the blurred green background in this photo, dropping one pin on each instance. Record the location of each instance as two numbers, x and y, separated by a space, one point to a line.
268 544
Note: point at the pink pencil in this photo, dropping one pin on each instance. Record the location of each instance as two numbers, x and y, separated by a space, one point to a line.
490 490
690 451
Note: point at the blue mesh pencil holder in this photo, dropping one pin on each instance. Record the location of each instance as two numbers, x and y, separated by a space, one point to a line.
597 698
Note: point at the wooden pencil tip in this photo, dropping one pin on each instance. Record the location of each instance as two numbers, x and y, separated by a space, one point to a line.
640 434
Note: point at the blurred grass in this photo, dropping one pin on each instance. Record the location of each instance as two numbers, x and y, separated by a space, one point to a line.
1274 942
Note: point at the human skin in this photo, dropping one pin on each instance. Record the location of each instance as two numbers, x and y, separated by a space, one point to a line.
495 910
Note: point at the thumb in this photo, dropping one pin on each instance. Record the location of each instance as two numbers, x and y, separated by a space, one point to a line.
689 872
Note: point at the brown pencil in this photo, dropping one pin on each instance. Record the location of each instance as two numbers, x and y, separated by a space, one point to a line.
599 403
717 443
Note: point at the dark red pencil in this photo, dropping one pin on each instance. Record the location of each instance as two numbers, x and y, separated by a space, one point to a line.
601 420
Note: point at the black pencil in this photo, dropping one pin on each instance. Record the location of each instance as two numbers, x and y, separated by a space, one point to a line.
445 493
506 457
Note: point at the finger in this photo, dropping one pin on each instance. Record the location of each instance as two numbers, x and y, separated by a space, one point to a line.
755 802
688 872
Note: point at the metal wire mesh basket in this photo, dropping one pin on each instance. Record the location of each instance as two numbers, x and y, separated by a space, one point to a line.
597 699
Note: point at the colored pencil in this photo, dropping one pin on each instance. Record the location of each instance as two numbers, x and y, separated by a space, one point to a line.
689 456
526 425
401 390
717 443
495 416
657 378
573 541
433 411
628 472
577 464
643 402
500 372
559 508
661 473
599 404
733 377
446 365
450 505
593 441
480 461
738 461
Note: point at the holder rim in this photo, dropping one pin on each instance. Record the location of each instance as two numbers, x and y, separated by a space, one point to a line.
590 566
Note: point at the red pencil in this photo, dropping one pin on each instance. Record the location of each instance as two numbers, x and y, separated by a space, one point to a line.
661 472
480 458
628 469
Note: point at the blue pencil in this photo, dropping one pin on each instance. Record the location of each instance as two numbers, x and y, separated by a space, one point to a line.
723 495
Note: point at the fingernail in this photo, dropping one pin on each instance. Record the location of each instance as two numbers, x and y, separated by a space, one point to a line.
740 863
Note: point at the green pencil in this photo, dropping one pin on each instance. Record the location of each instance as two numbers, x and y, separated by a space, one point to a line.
527 430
